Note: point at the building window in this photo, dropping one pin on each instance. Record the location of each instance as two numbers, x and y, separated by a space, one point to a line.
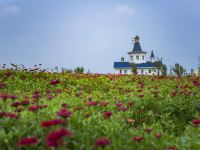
125 71
120 71
142 71
143 57
154 70
137 57
131 57
149 70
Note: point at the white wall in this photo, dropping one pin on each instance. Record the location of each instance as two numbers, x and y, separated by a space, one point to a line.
133 58
139 70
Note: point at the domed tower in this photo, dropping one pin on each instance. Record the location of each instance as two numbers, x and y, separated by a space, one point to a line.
137 55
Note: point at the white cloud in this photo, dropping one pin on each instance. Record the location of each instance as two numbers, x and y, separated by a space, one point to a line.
124 9
11 10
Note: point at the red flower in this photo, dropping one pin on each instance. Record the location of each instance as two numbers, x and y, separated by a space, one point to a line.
64 105
119 104
34 108
107 114
27 141
54 82
196 122
24 102
102 142
13 97
123 108
92 103
50 97
52 123
148 130
55 138
130 104
174 93
2 85
171 148
15 104
10 115
141 95
2 114
64 113
158 135
36 96
105 103
78 108
138 138
4 97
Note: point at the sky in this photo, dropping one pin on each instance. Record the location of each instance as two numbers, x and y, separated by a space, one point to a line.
95 33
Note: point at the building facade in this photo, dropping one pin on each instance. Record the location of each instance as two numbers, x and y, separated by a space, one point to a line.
138 57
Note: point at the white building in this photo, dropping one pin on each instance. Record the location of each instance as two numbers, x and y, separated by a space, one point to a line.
138 57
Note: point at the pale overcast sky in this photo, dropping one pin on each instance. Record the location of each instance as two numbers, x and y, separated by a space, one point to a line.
95 33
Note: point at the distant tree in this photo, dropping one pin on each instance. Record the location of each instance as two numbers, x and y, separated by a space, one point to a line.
198 71
66 70
79 70
56 68
178 69
133 68
158 65
164 70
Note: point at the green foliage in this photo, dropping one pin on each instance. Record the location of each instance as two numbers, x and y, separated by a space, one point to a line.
163 70
133 68
178 70
168 107
158 65
79 70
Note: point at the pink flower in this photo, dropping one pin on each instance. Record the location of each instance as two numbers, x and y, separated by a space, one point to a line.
64 113
52 122
102 142
107 114
55 138
27 141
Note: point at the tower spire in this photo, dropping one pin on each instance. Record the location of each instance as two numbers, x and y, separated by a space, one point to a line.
136 42
152 54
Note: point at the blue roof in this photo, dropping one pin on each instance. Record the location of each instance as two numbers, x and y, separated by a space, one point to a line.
128 65
137 47
121 65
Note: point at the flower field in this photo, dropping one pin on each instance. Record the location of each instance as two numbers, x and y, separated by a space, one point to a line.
40 110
